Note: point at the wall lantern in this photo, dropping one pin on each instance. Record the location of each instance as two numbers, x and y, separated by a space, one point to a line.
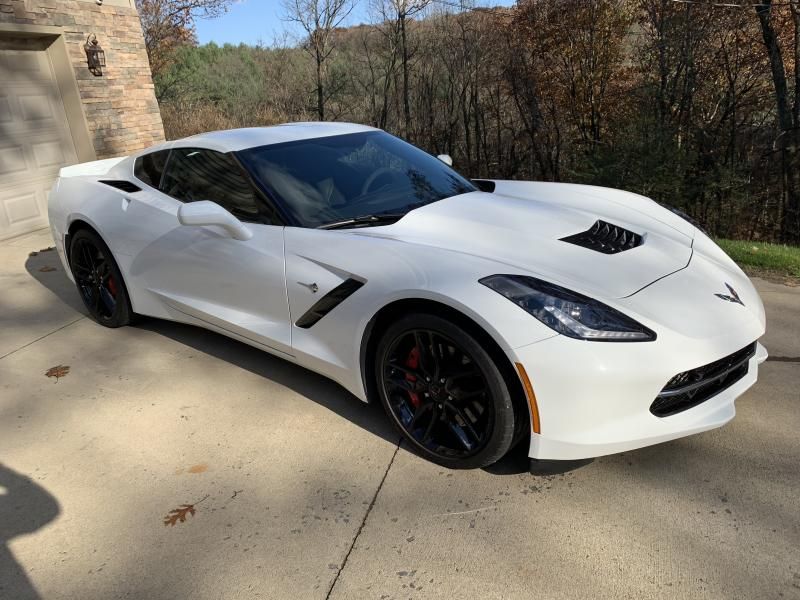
95 55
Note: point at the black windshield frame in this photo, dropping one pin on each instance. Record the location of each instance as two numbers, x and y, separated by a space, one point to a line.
422 166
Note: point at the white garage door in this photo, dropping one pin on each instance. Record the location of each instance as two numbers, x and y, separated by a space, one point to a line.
35 141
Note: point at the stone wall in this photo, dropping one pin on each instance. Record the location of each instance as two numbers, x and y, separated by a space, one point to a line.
120 105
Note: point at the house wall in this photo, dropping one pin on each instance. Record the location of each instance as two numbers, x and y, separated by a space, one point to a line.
119 110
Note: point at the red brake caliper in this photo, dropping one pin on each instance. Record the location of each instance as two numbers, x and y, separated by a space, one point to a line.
412 362
112 286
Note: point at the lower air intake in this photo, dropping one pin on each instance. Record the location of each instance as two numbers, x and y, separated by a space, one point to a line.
690 388
606 238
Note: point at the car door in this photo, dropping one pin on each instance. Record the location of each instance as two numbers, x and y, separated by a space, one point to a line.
201 271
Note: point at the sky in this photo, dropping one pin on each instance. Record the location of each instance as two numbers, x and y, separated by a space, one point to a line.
254 21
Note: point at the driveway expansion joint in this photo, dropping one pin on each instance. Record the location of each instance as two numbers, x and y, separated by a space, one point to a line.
789 359
364 520
39 339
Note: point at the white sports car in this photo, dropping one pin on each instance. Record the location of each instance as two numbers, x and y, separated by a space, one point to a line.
584 320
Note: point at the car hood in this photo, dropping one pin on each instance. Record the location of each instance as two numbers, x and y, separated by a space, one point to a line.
521 224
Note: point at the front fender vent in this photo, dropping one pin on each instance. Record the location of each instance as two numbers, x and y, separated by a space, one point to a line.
606 238
328 302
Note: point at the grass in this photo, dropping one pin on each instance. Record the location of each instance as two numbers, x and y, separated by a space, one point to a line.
756 258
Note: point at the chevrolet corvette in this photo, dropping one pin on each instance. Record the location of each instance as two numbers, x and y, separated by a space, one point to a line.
580 320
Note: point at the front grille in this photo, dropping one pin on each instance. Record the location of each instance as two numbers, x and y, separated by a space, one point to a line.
690 388
606 238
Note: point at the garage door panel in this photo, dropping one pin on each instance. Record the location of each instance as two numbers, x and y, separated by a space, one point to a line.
24 65
24 208
35 107
40 156
21 207
12 161
34 139
48 155
5 109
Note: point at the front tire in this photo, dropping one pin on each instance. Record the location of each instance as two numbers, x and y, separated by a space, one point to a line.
99 280
443 392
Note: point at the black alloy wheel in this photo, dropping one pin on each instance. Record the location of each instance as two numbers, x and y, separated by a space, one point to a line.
99 280
444 393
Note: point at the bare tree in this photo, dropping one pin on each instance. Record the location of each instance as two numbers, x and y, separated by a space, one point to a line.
398 12
168 24
319 19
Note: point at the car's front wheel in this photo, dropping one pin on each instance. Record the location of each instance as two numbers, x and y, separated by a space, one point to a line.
444 392
99 279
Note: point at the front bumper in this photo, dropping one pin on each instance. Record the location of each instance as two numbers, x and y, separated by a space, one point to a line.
605 409
594 398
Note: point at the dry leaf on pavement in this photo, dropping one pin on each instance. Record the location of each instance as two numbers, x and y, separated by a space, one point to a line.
179 514
57 372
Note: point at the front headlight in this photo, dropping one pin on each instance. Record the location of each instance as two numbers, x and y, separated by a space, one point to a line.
568 312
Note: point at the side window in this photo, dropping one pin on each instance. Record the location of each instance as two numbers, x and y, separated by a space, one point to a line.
149 168
199 174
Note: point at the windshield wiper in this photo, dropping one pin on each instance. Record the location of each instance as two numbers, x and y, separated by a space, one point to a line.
364 220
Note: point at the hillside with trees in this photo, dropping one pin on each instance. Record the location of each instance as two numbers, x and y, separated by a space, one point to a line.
695 104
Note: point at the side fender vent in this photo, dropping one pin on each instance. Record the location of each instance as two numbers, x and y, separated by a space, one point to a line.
121 184
606 238
328 302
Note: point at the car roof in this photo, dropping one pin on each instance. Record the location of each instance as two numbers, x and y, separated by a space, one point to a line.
232 140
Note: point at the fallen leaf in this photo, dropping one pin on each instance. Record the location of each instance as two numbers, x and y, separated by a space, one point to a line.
47 269
50 249
179 514
57 372
33 254
201 468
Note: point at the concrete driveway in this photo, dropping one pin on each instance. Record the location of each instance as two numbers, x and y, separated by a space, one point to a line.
301 491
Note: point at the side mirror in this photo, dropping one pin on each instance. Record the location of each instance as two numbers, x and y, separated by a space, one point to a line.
206 212
446 159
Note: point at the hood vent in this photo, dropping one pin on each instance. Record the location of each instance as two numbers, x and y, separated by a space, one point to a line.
606 238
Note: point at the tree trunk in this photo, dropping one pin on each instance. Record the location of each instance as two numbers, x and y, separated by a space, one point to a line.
794 167
788 128
406 103
320 91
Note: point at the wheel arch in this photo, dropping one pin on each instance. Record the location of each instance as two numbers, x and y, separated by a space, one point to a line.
398 308
79 223
75 224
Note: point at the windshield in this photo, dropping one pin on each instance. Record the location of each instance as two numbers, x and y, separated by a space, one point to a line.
331 179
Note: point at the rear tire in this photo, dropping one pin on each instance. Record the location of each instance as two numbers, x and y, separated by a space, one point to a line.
443 392
99 280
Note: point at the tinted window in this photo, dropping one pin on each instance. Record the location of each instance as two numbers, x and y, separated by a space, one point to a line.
198 174
148 168
329 179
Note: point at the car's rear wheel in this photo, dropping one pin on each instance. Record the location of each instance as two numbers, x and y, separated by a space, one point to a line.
99 280
444 392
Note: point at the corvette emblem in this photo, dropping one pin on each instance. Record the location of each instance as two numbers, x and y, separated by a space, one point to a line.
734 297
